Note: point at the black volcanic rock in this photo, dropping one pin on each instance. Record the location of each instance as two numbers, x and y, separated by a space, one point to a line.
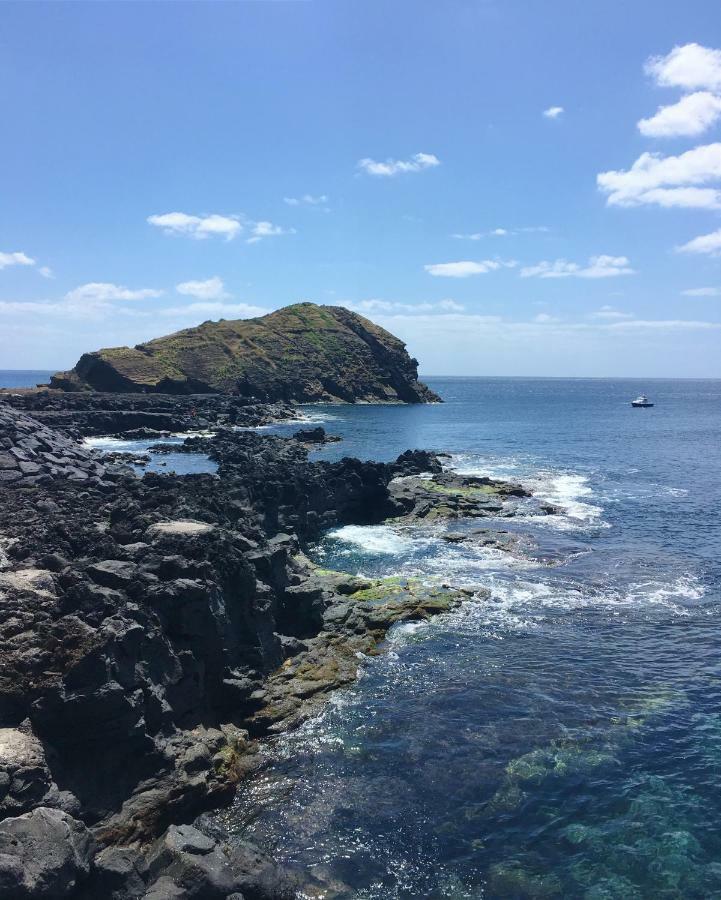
302 352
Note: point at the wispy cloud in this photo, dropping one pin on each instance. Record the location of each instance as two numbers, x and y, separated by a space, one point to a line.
106 292
260 230
499 232
611 313
546 319
198 311
308 200
553 112
466 267
210 289
417 163
597 267
667 180
15 259
391 306
709 244
702 292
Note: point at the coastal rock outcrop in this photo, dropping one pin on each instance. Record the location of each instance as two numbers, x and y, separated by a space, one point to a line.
302 352
31 453
154 628
92 413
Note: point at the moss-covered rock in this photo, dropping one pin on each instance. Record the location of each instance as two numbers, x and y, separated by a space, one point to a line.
302 352
358 614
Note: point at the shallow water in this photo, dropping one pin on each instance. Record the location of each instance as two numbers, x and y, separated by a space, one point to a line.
562 739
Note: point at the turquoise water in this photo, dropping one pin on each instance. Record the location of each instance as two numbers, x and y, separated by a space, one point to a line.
564 738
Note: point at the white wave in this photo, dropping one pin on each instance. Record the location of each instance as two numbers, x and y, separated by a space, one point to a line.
569 491
683 588
303 418
374 538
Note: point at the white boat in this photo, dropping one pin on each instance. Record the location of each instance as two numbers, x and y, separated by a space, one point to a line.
641 400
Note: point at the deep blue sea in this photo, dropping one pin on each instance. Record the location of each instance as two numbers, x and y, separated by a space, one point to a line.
21 378
562 739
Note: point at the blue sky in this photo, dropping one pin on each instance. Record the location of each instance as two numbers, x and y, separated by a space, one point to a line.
461 172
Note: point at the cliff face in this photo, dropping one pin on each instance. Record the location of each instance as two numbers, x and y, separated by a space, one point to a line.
302 352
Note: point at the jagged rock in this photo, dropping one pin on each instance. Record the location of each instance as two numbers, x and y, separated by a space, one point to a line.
25 779
205 869
31 453
316 436
90 413
43 853
302 352
118 873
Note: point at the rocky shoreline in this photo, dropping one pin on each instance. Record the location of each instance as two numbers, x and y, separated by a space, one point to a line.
155 628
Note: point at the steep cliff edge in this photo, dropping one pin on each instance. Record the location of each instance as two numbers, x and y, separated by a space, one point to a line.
302 352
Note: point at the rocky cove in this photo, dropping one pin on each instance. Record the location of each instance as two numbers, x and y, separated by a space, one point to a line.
156 628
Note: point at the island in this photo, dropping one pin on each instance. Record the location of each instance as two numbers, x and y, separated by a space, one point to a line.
304 353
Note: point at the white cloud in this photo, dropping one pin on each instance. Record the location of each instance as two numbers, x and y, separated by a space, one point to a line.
391 306
667 180
598 267
46 272
690 66
229 227
499 232
664 324
704 243
260 230
198 311
610 312
702 292
15 259
692 115
390 167
545 318
211 289
478 235
306 200
553 112
198 226
463 268
105 292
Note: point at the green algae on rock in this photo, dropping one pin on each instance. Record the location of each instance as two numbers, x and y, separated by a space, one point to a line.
357 617
302 352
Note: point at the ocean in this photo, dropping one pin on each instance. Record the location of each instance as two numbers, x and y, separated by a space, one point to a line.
22 378
562 738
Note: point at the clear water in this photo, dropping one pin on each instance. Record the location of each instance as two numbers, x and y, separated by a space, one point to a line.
564 738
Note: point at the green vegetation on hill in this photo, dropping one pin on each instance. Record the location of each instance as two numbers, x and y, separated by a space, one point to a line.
302 352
